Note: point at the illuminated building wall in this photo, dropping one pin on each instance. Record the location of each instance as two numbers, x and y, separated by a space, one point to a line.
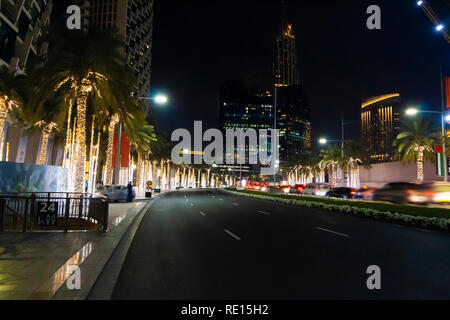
380 124
134 22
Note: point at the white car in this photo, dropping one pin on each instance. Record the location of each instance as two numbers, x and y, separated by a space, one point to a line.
114 193
316 189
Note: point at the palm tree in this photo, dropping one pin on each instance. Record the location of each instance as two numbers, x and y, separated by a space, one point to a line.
331 160
9 95
355 156
80 65
415 143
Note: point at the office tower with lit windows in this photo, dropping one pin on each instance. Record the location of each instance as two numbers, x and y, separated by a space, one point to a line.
380 124
133 20
248 103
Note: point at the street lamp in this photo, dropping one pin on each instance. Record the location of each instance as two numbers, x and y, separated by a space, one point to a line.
440 27
159 99
325 141
414 111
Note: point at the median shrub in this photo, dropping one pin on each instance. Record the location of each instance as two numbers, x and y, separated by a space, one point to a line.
410 219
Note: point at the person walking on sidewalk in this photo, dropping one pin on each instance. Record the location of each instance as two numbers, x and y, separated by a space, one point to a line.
130 192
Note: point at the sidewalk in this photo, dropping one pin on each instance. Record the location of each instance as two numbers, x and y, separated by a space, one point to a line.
36 265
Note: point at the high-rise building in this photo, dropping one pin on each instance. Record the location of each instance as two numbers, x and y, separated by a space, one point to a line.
248 103
20 28
133 20
21 24
285 61
380 124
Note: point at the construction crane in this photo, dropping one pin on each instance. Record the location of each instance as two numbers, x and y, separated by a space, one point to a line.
435 19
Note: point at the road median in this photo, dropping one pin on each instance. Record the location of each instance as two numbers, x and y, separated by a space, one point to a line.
431 218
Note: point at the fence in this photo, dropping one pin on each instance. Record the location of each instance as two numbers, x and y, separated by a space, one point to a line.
52 211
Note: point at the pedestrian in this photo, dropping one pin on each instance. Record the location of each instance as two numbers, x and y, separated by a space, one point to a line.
130 192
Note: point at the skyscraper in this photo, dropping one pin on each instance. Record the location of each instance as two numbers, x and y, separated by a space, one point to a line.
380 124
285 61
133 20
20 29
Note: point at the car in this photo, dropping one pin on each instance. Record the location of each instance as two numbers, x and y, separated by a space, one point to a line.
402 192
114 193
343 193
285 188
297 189
316 189
365 193
274 190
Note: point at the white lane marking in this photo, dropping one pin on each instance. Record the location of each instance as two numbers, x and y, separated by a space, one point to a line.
221 199
232 234
192 204
331 231
187 200
213 196
266 213
203 214
236 204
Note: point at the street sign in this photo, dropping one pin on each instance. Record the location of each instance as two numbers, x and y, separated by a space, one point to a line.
47 213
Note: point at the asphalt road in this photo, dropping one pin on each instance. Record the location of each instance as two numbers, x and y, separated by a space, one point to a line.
210 244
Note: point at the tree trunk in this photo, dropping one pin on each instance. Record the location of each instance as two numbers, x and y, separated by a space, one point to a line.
420 165
109 151
80 161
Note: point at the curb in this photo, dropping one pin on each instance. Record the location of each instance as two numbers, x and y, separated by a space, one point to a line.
103 287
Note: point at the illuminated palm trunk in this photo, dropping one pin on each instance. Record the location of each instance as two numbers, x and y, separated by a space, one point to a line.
80 161
45 136
109 151
420 163
3 114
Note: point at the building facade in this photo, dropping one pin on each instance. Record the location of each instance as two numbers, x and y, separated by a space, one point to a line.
133 20
380 124
285 59
21 22
249 104
21 25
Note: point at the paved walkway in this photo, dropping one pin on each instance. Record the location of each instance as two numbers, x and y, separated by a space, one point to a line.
36 265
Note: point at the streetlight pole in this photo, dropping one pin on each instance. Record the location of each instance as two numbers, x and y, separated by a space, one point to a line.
274 132
342 142
444 135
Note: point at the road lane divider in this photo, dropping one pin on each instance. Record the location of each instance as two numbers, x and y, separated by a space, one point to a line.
202 213
266 213
334 232
232 234
236 204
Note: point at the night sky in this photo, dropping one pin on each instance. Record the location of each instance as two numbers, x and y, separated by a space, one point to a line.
198 44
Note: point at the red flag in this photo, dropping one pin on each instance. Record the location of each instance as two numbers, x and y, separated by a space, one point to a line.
439 149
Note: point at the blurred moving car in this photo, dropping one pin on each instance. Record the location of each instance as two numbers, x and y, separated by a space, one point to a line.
285 188
114 193
316 189
402 192
342 193
365 193
274 190
297 189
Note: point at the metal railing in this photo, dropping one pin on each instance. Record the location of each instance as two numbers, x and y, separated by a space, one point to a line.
53 211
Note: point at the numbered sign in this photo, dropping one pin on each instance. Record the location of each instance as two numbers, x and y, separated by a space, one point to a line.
47 213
